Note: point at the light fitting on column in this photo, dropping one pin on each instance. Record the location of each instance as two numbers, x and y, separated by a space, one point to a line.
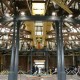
70 15
7 15
22 13
54 14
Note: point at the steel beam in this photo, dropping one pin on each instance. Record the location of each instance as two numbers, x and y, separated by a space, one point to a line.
7 5
30 18
63 6
39 18
2 7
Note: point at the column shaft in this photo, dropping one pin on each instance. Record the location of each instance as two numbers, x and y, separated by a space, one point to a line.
17 52
60 51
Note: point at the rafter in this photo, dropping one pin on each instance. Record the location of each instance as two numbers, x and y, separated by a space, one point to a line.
63 6
67 33
7 5
70 3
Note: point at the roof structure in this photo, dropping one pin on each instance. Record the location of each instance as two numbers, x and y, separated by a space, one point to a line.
40 33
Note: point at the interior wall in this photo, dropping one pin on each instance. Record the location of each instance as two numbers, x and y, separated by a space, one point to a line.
52 61
23 60
68 61
24 64
7 62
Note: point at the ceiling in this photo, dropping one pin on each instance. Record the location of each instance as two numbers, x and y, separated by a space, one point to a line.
40 33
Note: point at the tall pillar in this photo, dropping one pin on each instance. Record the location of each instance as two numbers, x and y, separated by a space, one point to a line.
17 52
63 74
73 57
2 62
28 63
60 51
11 73
31 62
46 61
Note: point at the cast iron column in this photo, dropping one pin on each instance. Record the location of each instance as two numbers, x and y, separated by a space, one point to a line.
11 73
63 74
60 52
73 57
31 62
17 52
28 68
46 61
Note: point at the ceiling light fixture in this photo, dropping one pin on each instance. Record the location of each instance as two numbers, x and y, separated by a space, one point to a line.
22 13
7 15
54 14
70 15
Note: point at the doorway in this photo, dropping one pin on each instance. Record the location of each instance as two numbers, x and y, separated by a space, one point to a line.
40 64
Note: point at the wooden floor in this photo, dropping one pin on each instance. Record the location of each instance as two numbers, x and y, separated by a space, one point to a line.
45 77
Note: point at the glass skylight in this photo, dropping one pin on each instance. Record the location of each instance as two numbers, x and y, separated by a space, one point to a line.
10 24
28 36
70 38
73 30
50 36
3 30
78 29
64 31
38 28
38 23
39 33
5 37
77 42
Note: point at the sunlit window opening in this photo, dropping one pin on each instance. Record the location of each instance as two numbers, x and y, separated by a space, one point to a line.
40 64
38 8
